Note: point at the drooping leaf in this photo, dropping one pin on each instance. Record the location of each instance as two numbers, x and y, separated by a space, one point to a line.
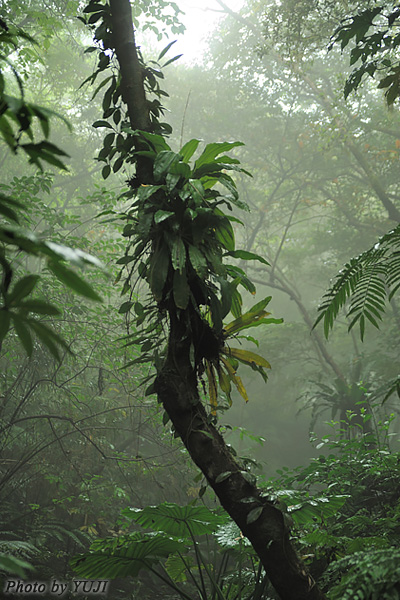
181 290
22 288
247 357
123 557
23 333
73 281
245 255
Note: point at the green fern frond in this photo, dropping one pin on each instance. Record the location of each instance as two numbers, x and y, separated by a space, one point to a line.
369 281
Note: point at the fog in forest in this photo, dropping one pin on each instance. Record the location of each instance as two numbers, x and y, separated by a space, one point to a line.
85 437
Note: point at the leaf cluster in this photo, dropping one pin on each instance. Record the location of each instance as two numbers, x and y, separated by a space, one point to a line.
374 32
19 307
172 550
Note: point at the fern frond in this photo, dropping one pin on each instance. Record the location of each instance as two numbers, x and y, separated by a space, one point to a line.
369 281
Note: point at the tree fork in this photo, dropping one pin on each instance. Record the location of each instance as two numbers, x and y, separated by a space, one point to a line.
177 388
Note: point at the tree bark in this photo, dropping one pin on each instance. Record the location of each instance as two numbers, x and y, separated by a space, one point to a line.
177 389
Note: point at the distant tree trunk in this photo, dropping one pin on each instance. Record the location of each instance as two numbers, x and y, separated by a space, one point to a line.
177 388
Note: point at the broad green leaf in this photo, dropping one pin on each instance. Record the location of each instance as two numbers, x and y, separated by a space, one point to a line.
198 260
158 272
211 151
124 556
225 235
102 123
181 290
125 307
177 568
178 254
163 162
162 215
73 281
157 142
177 520
15 566
189 149
181 169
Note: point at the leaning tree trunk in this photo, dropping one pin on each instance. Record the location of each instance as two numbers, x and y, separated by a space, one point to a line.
177 388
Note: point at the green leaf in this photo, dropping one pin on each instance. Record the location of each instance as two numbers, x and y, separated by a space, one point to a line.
164 160
178 254
171 60
73 281
4 323
105 172
165 50
49 338
14 565
245 255
254 515
40 308
124 556
23 333
162 215
125 307
177 520
225 235
158 272
198 260
22 288
211 151
222 476
181 290
187 151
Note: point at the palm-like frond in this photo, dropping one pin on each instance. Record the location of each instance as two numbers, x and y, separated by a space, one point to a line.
368 280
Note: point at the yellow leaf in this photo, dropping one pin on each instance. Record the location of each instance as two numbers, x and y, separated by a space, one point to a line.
236 380
247 357
212 387
241 389
224 382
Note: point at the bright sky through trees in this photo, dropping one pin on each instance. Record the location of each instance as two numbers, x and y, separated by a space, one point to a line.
200 18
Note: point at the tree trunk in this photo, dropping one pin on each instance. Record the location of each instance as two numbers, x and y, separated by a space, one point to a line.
177 388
